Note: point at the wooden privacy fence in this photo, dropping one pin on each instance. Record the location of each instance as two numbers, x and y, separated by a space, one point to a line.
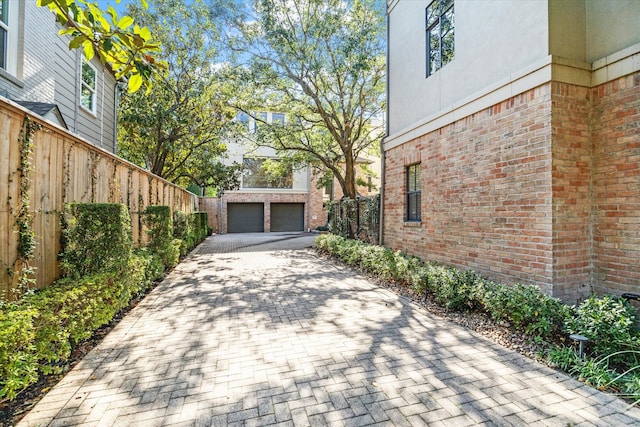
37 181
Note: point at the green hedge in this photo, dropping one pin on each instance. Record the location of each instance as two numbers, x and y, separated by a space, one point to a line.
611 324
101 275
190 228
159 221
38 332
96 238
202 225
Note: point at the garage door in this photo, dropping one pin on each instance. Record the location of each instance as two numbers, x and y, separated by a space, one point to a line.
245 217
287 216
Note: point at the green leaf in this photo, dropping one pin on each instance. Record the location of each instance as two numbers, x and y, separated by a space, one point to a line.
145 33
77 42
107 44
125 22
87 49
135 81
113 13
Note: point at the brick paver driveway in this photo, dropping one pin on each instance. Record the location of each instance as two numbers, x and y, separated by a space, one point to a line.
249 331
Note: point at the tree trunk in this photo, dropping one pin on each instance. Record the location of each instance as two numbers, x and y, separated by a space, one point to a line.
349 187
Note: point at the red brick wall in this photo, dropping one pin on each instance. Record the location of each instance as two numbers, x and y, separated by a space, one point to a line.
571 175
218 207
318 213
543 188
616 148
486 192
210 205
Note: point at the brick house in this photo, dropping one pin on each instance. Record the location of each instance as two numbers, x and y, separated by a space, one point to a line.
513 140
270 198
290 200
39 72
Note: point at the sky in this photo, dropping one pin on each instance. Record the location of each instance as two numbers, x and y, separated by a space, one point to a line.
119 7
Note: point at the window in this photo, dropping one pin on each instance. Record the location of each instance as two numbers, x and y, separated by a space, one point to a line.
277 118
413 193
243 118
440 34
266 173
261 119
88 91
9 36
4 32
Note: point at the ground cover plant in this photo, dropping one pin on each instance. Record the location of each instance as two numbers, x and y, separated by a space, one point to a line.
612 354
102 274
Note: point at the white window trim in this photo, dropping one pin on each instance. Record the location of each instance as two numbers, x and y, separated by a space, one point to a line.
94 90
11 28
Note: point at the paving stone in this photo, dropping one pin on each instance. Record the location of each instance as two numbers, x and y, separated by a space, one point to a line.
257 330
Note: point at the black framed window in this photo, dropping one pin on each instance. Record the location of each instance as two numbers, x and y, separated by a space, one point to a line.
414 196
440 34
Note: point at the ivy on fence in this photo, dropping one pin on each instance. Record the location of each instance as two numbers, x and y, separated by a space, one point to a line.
24 218
355 218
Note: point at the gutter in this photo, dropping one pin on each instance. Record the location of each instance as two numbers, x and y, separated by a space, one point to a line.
382 152
309 198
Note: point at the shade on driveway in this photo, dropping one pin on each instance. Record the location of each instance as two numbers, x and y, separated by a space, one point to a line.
256 330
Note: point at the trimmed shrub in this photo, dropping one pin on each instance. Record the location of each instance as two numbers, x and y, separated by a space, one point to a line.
184 229
202 225
610 324
526 308
18 367
453 288
102 274
38 333
190 228
96 238
159 222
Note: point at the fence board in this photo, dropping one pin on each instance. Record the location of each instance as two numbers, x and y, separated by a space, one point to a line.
5 229
66 169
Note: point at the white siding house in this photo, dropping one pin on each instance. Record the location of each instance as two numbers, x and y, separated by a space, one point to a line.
38 70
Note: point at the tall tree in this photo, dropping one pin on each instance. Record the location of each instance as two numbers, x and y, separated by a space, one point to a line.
322 63
127 49
177 130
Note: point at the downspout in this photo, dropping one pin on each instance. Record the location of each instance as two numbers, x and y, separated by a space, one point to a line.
382 171
102 110
308 199
220 196
382 152
116 102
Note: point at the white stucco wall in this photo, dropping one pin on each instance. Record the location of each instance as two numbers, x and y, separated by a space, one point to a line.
612 25
493 39
503 48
